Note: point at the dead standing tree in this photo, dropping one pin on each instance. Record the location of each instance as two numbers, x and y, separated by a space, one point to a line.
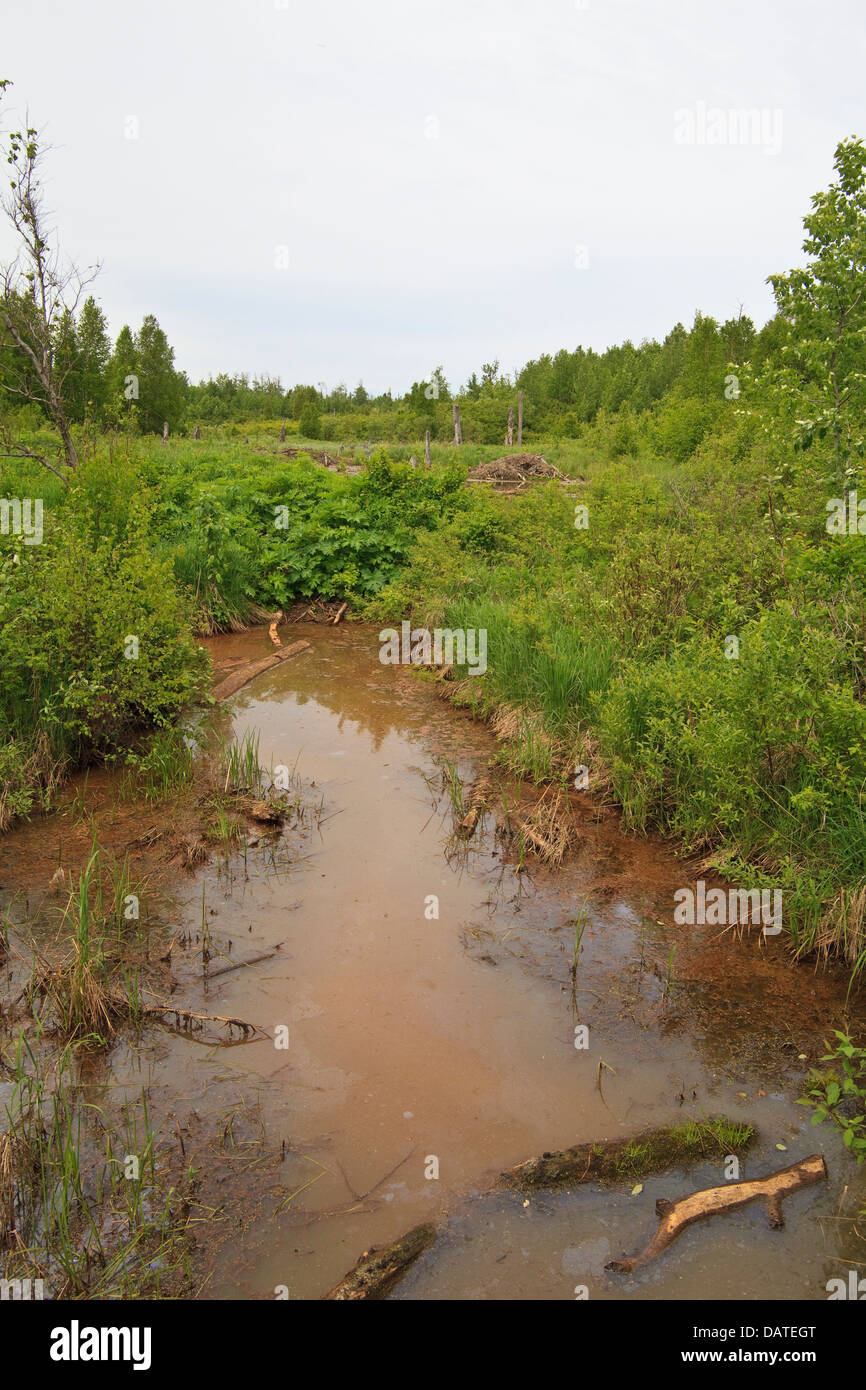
39 292
458 431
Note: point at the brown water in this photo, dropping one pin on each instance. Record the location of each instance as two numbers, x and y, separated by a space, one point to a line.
453 1038
415 1038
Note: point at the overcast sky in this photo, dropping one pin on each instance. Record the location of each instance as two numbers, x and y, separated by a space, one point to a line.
340 190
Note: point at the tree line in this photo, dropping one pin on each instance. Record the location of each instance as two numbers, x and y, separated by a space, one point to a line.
134 383
57 359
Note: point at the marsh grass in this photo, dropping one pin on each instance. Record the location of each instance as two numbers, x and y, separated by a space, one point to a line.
452 784
579 924
166 767
75 1209
240 765
91 988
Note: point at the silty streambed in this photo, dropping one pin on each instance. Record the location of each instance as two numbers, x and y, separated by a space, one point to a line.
420 1043
452 1038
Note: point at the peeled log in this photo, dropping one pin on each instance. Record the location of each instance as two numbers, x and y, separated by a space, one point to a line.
379 1269
239 678
676 1216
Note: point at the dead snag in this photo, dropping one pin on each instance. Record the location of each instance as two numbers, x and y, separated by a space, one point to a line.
379 1269
676 1216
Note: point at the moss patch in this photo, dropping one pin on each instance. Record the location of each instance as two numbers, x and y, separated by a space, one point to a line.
631 1160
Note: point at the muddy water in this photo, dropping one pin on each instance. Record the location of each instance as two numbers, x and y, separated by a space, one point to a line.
422 1044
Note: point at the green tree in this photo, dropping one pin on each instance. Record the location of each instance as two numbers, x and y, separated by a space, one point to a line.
309 423
122 377
824 308
161 388
301 396
94 351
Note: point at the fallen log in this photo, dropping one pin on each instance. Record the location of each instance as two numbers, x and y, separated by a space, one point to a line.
676 1216
246 673
379 1269
629 1160
340 611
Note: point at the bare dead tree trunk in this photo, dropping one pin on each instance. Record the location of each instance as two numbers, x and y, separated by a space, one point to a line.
509 437
196 434
458 432
39 291
283 432
519 418
165 432
70 453
427 463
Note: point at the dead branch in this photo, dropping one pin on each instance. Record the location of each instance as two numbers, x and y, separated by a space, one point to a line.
187 1022
240 964
676 1216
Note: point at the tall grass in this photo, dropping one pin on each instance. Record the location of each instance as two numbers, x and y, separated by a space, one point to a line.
74 1209
90 989
560 672
240 765
164 768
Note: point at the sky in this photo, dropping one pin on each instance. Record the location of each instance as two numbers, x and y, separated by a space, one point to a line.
339 191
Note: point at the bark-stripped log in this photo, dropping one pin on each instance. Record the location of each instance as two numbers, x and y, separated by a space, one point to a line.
237 679
676 1216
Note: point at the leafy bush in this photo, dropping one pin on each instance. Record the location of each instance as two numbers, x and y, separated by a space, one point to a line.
94 643
840 1095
